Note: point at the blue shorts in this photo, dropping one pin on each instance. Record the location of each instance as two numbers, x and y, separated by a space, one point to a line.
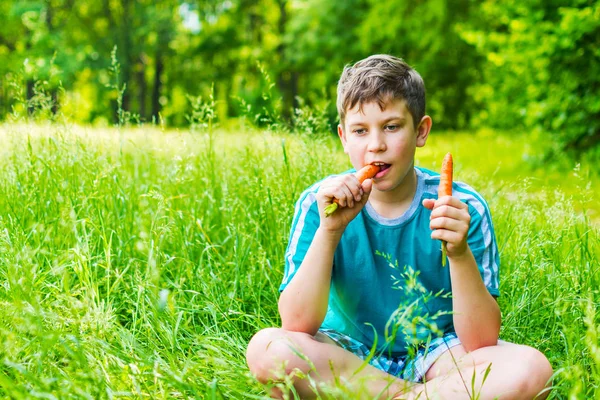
409 368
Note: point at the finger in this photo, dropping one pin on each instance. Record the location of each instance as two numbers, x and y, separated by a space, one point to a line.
367 186
445 210
354 210
428 203
344 196
367 193
451 201
453 241
335 188
449 224
450 211
350 186
355 187
446 235
327 195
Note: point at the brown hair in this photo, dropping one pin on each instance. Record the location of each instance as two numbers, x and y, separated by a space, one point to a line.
380 78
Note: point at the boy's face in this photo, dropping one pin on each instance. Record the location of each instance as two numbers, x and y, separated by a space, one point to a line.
385 136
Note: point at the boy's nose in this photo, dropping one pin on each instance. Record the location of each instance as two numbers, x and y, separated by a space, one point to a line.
377 143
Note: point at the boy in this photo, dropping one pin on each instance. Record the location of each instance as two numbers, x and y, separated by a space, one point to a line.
341 295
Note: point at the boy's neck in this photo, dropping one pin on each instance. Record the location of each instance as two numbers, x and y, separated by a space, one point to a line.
394 203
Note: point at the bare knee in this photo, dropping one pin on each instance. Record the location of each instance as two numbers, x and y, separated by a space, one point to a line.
273 352
536 372
255 353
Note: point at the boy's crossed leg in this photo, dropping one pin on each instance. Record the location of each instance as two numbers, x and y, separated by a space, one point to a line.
516 372
273 352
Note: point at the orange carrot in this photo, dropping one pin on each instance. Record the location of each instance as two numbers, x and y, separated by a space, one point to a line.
366 172
445 189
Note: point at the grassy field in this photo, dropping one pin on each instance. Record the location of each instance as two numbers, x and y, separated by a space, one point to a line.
137 263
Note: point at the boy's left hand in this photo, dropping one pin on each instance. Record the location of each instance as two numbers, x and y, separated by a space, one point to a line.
450 220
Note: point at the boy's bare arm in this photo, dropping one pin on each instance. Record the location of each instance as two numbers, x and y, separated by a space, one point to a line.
303 303
476 313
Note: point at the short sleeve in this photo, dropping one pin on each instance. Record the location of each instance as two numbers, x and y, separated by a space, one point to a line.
482 242
304 226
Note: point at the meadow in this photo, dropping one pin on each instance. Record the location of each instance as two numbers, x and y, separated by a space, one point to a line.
138 262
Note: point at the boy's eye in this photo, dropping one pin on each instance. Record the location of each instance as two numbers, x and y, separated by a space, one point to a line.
359 131
391 127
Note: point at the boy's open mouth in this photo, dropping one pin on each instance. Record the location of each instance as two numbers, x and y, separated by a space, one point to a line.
382 168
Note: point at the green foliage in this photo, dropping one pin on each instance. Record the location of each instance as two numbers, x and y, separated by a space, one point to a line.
322 38
413 319
311 120
168 49
203 113
424 34
543 68
532 65
115 72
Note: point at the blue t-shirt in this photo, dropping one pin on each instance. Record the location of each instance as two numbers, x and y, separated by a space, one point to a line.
388 285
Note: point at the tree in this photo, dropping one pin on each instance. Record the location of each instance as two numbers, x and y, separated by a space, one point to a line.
425 34
30 32
542 70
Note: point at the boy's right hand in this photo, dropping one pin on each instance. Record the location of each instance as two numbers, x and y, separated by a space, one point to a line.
351 196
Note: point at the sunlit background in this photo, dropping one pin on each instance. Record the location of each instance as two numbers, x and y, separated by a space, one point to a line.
514 65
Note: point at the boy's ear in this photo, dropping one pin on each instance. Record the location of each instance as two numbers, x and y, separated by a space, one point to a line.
423 130
342 136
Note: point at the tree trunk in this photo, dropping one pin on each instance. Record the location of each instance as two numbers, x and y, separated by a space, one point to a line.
284 76
49 15
3 103
50 26
3 107
156 89
126 51
112 21
294 88
143 87
55 105
30 84
582 143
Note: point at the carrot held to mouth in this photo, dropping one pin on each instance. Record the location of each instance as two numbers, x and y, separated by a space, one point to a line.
445 189
366 172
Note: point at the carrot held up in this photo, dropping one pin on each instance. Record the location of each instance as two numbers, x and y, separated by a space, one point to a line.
445 189
366 172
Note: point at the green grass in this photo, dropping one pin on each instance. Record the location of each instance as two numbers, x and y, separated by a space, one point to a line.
137 263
